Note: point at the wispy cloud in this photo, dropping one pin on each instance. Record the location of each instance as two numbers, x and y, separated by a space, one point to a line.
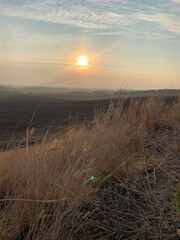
80 15
169 22
176 1
116 16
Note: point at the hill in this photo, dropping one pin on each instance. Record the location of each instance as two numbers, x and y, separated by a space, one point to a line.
116 177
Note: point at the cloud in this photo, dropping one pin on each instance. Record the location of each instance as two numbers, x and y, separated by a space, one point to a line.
176 1
169 22
79 15
117 16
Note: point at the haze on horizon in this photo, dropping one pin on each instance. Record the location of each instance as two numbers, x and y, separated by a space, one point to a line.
124 39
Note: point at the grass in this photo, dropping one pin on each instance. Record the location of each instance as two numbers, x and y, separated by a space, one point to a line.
116 178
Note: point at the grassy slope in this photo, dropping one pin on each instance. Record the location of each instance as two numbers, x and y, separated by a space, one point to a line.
47 192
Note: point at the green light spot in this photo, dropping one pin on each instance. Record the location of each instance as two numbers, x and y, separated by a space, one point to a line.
92 177
98 204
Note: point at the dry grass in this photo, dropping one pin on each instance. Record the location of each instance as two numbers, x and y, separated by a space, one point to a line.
46 193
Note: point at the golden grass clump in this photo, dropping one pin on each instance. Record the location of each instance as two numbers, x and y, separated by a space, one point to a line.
116 178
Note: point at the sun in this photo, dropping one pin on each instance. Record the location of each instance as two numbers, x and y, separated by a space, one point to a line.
82 61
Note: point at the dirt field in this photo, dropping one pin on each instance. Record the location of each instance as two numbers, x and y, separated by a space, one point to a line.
18 111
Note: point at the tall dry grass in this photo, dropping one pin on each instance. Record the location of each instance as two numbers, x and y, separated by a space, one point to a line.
118 178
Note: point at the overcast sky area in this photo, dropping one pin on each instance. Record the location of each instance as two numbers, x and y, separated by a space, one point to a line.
138 40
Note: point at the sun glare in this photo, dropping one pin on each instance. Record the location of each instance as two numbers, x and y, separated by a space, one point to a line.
82 61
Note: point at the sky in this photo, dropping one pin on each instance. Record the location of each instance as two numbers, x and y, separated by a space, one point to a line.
132 44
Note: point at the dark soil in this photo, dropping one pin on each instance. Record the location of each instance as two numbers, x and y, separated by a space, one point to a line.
48 113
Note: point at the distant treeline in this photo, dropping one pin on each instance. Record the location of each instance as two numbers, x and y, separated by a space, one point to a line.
6 90
147 93
96 93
